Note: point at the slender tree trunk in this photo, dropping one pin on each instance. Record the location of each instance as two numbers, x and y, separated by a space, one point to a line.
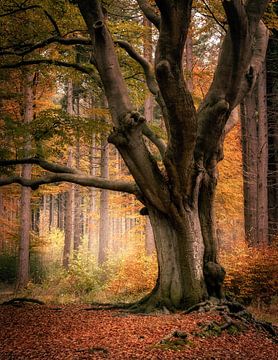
255 160
77 193
92 198
70 193
25 216
262 156
272 113
51 211
250 174
188 57
104 205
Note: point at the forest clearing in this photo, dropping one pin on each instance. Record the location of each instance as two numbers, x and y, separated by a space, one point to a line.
138 179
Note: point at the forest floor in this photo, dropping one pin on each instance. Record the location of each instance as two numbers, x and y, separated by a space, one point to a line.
71 332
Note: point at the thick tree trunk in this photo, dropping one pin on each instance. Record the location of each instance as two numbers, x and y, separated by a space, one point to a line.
180 252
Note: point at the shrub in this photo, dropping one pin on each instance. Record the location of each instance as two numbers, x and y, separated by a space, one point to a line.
252 274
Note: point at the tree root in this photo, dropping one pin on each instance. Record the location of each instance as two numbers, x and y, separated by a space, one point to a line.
108 306
20 301
235 315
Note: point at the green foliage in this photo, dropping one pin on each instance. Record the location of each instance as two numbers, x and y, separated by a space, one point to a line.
8 267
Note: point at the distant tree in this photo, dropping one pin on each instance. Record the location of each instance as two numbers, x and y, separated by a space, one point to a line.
25 206
272 106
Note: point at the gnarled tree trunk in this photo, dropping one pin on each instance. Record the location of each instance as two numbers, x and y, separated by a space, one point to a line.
179 199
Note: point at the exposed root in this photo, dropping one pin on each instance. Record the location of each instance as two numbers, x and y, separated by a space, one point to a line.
235 315
20 301
108 306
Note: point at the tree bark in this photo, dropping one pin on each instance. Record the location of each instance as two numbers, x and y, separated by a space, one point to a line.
70 193
25 206
255 163
104 230
272 105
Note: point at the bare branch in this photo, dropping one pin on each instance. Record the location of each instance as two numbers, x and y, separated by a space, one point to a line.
26 49
20 9
149 12
213 16
82 180
53 22
53 167
78 67
158 142
146 65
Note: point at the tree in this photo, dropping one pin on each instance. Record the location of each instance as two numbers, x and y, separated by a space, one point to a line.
177 193
272 97
25 207
255 163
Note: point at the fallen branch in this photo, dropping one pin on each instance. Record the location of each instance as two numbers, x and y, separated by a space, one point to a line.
17 301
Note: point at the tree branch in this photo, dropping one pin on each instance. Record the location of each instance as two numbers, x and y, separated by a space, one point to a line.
20 9
53 167
146 65
54 39
158 142
149 12
213 16
82 180
78 67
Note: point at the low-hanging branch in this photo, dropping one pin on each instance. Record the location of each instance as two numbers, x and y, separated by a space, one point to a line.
46 165
82 69
83 180
63 173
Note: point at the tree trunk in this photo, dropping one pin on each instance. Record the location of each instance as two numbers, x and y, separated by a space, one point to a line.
272 106
77 193
255 160
180 252
25 217
250 170
262 156
104 205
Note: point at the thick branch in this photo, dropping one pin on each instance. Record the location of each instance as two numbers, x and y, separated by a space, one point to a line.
149 12
82 180
181 114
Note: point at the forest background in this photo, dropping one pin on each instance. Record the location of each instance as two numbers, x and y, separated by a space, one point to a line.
85 244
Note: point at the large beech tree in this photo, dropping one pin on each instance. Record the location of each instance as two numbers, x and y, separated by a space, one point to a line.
178 195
